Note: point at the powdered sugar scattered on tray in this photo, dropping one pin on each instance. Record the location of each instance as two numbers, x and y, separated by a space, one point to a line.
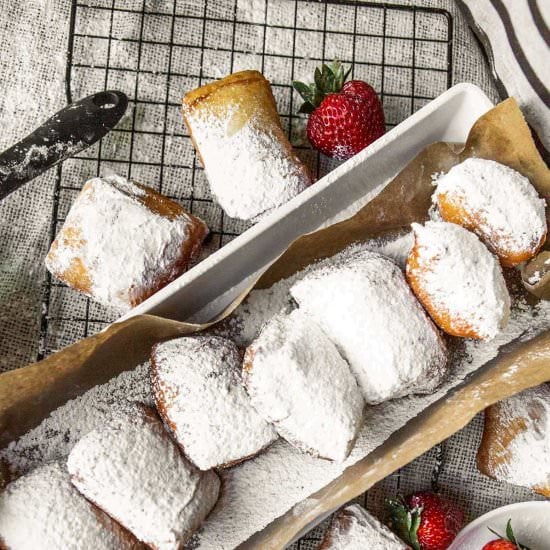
285 475
54 438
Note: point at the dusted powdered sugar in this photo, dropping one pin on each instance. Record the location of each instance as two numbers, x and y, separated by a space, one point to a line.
527 455
508 211
284 474
262 304
297 380
353 528
198 389
54 438
262 489
461 277
43 511
124 246
362 301
133 471
250 171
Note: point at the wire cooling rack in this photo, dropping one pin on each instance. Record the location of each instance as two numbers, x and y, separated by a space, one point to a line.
156 51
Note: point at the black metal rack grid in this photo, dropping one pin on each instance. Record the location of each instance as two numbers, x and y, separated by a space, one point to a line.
176 46
156 51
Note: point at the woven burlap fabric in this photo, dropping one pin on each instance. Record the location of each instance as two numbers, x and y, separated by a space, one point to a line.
32 71
34 39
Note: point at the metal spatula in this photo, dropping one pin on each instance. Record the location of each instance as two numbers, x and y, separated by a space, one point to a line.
65 134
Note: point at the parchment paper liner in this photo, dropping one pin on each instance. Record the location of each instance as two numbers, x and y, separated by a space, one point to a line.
29 394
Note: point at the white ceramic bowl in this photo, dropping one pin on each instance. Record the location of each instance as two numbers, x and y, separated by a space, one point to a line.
530 521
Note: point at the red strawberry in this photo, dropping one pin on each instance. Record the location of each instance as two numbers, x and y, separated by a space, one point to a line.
360 88
500 545
426 521
509 542
345 118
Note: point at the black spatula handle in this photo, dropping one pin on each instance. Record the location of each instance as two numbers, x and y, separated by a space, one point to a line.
67 133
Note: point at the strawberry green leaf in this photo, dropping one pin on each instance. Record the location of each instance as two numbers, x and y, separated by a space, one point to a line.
302 89
510 532
405 522
509 536
308 94
318 78
316 96
328 79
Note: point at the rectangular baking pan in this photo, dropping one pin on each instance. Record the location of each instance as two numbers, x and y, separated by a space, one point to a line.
207 288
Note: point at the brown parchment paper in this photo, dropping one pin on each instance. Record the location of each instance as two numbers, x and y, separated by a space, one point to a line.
29 394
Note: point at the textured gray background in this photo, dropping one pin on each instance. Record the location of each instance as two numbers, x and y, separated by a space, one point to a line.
128 49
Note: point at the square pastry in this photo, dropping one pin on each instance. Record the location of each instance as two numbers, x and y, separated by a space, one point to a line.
123 241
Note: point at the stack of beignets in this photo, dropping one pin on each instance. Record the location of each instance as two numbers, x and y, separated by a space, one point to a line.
485 207
359 335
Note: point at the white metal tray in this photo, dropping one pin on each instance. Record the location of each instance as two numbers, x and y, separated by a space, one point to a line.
226 273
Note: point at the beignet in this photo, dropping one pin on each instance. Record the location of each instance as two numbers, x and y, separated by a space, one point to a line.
363 303
43 511
353 528
122 241
516 440
298 381
198 390
237 133
458 281
498 204
133 471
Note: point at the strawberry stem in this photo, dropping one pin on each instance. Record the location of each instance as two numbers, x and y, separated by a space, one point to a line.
405 522
328 79
509 536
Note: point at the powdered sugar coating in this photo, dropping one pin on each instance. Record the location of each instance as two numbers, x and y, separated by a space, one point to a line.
124 247
297 380
198 390
132 470
285 475
509 215
353 528
362 301
251 171
459 278
527 455
42 510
